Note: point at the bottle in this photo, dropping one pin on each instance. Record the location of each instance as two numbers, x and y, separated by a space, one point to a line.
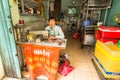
119 43
21 21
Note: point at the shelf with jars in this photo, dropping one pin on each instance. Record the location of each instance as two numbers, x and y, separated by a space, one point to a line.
29 7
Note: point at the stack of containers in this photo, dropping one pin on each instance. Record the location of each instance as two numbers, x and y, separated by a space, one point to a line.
107 56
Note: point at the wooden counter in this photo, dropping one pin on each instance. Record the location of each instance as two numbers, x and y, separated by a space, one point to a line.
46 43
42 58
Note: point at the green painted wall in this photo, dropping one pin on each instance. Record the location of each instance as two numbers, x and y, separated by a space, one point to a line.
102 16
66 3
115 8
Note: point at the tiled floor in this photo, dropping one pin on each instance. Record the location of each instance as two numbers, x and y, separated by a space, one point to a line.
80 59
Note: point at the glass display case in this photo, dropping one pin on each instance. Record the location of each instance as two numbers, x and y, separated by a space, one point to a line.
73 17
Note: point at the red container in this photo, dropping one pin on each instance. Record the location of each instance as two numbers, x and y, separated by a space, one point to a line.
111 34
107 40
76 35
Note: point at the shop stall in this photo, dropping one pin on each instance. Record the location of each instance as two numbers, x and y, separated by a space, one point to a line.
42 58
36 54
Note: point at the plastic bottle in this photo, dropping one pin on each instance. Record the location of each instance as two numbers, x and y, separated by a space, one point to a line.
119 43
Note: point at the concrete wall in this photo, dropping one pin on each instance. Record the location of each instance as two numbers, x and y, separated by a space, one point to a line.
14 11
66 3
28 19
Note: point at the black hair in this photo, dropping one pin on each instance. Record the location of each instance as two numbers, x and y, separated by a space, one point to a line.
51 18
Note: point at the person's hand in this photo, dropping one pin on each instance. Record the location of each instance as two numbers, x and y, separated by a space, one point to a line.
51 38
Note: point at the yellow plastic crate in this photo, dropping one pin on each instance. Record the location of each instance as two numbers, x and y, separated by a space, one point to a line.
108 55
105 73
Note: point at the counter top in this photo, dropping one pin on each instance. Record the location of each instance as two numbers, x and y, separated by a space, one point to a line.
46 43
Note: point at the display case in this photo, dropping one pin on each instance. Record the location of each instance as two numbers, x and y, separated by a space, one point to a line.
73 17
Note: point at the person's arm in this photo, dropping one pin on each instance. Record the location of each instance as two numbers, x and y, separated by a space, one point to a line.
47 28
61 34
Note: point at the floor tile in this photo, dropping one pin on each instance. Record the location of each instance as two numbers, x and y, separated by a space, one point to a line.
80 59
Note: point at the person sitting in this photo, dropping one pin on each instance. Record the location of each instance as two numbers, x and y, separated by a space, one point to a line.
54 31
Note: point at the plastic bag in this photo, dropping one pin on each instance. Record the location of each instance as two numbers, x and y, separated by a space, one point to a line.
65 68
63 58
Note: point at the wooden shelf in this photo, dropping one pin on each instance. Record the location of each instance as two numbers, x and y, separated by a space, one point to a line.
23 14
32 3
23 4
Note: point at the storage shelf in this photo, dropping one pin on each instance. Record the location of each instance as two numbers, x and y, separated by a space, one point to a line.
23 14
32 3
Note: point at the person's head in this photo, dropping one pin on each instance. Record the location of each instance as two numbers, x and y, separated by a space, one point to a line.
52 21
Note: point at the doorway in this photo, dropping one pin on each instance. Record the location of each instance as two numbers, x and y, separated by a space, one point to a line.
8 50
57 9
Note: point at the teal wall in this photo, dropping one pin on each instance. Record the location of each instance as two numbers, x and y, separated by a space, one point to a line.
66 3
115 8
102 16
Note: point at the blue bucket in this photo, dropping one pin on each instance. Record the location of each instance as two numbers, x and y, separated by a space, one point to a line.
87 22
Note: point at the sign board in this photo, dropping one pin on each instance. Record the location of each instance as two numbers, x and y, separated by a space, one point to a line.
42 60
